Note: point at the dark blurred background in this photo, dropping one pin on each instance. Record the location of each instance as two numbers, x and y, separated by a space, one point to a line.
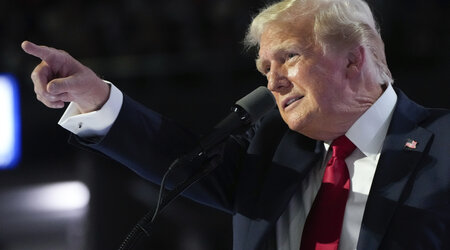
183 58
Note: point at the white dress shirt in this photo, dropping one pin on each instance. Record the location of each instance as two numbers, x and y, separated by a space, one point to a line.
96 123
367 133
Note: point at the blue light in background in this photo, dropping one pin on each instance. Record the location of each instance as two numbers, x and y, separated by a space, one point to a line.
9 122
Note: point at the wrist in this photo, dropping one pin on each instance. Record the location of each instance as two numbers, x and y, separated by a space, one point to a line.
97 99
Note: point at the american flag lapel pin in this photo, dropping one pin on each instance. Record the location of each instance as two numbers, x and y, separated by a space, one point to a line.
411 144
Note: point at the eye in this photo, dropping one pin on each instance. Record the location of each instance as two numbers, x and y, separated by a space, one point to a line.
291 55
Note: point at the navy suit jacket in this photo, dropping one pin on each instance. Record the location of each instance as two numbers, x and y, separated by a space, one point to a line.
408 205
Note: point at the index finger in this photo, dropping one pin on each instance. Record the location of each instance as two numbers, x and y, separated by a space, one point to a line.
43 52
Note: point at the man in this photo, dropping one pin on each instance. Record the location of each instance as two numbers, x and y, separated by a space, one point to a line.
325 65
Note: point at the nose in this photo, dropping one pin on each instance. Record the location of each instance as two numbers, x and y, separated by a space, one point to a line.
277 79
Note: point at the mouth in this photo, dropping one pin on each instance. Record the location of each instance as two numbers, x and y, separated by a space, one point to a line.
290 101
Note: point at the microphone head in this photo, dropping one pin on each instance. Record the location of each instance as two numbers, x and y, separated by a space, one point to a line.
257 103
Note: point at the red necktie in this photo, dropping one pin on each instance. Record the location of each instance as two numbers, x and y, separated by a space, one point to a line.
324 222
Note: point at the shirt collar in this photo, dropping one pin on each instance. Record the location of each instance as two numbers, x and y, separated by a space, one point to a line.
369 131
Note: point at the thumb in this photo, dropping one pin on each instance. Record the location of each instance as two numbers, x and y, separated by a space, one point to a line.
60 85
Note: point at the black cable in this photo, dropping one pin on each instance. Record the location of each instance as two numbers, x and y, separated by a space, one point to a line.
141 228
162 188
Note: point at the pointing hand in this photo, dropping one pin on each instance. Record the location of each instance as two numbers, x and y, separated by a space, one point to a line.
60 78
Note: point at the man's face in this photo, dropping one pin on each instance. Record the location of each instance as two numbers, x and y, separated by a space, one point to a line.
314 92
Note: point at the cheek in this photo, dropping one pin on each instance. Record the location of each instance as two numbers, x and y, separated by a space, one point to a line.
293 71
320 96
293 119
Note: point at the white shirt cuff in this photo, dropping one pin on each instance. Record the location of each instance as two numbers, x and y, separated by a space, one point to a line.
95 123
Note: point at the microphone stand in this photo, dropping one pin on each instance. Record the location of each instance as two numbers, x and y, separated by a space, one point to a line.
144 226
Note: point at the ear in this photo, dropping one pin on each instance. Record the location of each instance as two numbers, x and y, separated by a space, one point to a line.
355 61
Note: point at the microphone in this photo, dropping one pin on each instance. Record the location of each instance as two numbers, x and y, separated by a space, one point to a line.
244 113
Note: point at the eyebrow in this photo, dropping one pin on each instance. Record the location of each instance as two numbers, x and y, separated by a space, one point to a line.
258 62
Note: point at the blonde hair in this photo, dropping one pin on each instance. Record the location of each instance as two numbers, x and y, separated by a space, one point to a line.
336 24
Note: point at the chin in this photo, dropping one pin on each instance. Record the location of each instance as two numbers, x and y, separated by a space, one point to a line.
296 124
305 127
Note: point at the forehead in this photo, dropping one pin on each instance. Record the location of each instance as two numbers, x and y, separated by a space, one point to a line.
277 36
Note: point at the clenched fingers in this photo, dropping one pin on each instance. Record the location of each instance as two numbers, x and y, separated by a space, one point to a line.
54 101
40 76
51 92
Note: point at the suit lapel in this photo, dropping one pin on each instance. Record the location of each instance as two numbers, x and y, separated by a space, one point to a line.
294 157
394 170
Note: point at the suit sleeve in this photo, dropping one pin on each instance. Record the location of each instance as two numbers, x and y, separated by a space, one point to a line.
148 143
